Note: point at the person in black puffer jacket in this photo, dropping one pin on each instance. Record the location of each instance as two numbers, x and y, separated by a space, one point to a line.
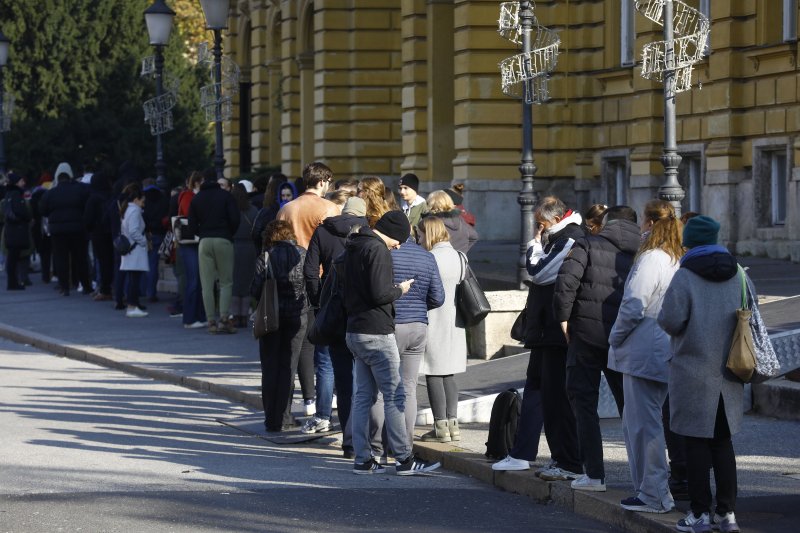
16 229
280 350
98 224
64 206
588 293
544 401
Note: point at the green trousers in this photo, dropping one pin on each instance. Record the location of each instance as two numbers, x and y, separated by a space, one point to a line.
216 263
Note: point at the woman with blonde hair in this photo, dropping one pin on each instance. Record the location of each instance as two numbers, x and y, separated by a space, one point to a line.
372 190
462 235
446 344
640 350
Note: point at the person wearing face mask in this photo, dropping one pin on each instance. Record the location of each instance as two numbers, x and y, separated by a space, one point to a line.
545 399
194 314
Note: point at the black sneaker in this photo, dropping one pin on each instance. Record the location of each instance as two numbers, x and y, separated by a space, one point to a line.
414 466
370 467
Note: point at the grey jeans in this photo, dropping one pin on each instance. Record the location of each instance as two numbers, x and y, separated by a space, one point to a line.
411 340
377 368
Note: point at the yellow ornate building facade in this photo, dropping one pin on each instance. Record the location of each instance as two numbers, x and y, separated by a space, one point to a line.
386 87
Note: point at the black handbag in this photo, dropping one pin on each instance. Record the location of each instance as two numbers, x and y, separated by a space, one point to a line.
330 322
123 245
520 326
266 315
470 298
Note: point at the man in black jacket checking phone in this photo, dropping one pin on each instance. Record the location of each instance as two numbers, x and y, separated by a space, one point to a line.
369 295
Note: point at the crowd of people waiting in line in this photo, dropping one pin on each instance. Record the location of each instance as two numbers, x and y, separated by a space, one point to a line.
641 303
219 238
652 306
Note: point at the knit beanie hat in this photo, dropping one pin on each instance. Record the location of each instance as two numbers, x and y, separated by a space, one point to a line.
395 225
457 198
699 231
355 206
411 181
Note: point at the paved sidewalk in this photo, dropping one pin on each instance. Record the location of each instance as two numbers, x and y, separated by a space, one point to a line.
228 365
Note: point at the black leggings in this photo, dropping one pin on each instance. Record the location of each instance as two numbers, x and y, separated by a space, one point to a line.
717 453
443 395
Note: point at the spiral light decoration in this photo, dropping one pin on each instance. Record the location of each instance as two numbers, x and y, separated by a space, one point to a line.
525 75
691 30
217 98
158 110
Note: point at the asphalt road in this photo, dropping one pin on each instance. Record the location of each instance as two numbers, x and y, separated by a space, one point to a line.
85 448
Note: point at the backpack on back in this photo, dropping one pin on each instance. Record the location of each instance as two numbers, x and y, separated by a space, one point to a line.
503 424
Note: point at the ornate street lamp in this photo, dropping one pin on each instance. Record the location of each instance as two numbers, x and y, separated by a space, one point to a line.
671 61
525 76
5 110
158 18
216 13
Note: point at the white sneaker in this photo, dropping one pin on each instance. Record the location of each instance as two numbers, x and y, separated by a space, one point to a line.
136 313
588 484
509 463
196 325
310 407
334 405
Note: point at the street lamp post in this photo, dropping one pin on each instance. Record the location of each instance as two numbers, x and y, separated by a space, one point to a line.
216 14
671 190
527 168
158 18
5 44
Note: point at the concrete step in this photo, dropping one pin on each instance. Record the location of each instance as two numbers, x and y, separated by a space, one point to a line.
779 398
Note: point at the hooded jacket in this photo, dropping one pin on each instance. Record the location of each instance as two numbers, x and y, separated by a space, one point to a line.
591 282
369 289
699 314
462 235
213 213
326 243
543 261
64 206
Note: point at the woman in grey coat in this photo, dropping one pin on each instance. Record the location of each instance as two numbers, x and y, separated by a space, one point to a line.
640 351
135 262
705 398
446 344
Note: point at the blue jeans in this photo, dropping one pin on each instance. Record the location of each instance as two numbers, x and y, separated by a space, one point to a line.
377 368
323 370
193 310
152 259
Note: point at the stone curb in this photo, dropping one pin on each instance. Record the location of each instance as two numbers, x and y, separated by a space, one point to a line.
601 506
95 356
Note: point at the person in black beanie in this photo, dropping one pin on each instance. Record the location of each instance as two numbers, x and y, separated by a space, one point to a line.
369 295
412 204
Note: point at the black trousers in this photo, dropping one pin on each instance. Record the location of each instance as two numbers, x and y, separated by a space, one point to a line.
134 280
305 365
584 364
104 254
71 256
12 267
529 427
279 352
676 447
560 427
342 360
717 453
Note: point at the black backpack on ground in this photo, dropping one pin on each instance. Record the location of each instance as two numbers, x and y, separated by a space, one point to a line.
503 424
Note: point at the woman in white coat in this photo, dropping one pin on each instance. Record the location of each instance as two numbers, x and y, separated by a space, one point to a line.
135 262
446 346
641 351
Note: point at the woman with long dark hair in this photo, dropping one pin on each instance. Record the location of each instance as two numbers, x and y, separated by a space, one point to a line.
280 350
